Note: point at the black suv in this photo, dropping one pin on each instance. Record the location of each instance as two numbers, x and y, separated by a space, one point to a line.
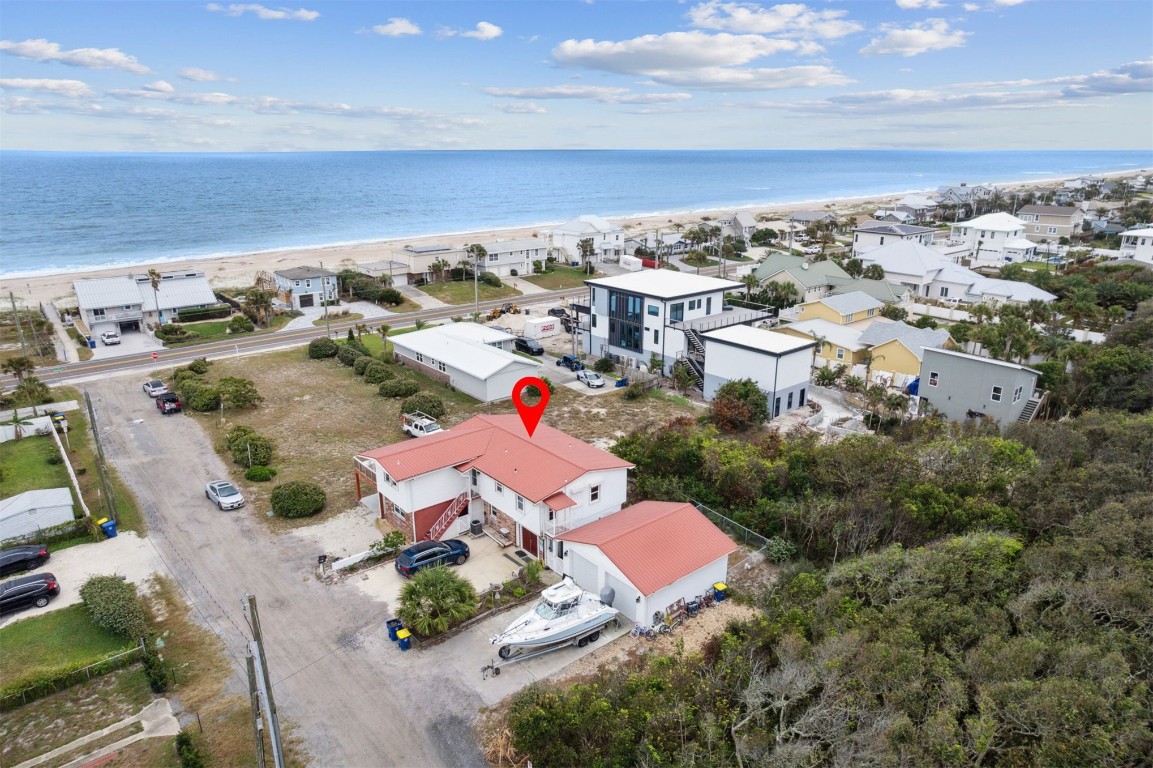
558 312
21 592
26 557
429 553
528 346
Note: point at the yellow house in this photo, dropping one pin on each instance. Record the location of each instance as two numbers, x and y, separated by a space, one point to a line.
837 343
842 309
897 348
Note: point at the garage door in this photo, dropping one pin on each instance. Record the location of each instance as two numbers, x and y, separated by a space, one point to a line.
626 597
584 573
306 299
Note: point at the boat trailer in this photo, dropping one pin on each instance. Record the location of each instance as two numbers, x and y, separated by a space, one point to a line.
510 655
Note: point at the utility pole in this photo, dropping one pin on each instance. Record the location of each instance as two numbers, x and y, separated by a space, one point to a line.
19 328
105 486
256 651
324 294
257 723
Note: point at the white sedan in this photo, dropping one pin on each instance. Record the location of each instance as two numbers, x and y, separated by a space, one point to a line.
224 494
155 387
110 337
591 378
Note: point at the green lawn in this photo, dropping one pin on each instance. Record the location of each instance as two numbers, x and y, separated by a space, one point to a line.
334 318
700 262
26 466
63 639
462 291
558 279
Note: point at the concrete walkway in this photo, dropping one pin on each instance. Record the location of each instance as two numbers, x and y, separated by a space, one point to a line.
367 309
157 719
420 297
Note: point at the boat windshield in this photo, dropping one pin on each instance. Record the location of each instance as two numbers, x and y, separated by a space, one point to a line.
547 610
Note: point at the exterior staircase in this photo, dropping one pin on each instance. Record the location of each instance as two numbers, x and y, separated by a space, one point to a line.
697 370
695 341
450 514
1032 407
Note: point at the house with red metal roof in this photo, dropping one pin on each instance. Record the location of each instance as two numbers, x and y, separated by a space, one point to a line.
651 554
488 473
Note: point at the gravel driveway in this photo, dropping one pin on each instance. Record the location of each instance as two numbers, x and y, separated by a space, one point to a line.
337 676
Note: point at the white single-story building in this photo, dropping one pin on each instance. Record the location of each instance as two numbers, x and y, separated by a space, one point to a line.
651 554
30 512
471 357
780 364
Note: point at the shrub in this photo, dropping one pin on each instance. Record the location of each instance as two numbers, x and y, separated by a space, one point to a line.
201 397
399 388
114 605
199 365
488 278
258 473
425 402
778 550
318 349
155 670
377 372
603 365
391 296
189 752
240 324
392 541
361 364
182 377
635 391
298 499
248 449
739 405
348 355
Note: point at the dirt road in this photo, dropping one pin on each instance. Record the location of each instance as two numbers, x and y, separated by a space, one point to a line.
353 698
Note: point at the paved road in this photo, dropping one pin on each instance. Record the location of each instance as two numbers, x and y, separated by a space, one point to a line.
355 699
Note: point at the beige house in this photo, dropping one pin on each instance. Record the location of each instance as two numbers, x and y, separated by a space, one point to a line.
843 309
1050 222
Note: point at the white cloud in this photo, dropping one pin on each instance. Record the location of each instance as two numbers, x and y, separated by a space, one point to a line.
482 31
396 27
697 60
971 7
1007 2
198 75
264 13
786 20
909 5
602 94
90 58
73 89
1133 77
160 86
519 108
930 35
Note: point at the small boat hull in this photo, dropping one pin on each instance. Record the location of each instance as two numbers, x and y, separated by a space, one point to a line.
563 612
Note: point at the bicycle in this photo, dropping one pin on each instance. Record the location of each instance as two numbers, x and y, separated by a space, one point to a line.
640 630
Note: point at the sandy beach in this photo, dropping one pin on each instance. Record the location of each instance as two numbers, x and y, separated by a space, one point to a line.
240 270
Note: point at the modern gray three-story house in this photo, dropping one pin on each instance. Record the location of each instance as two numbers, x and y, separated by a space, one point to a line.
961 386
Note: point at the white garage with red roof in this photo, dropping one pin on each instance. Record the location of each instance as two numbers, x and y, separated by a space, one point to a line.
651 554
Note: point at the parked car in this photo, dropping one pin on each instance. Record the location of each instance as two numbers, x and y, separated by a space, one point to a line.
109 338
155 387
224 494
25 557
168 403
23 591
812 249
528 346
429 553
558 312
571 362
591 378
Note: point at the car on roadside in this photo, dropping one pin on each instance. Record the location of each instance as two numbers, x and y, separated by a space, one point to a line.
812 250
224 494
528 346
155 387
24 591
426 554
591 378
558 312
108 338
571 362
24 557
168 403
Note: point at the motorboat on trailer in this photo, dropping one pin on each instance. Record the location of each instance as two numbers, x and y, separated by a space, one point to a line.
564 614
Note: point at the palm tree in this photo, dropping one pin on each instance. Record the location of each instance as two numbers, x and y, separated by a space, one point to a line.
31 392
260 302
1080 305
751 283
435 599
587 248
19 367
817 350
154 278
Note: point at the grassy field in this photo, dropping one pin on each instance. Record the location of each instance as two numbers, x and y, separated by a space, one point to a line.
26 466
558 279
461 291
66 638
333 318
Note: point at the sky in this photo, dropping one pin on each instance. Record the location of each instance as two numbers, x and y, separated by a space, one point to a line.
169 76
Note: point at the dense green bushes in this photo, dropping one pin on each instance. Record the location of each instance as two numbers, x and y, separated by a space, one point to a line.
240 324
603 365
361 364
258 473
248 449
348 355
377 372
114 605
199 365
399 388
425 402
318 349
199 396
298 499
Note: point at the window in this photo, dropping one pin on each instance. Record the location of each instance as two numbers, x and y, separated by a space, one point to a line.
870 312
1017 394
654 310
499 488
98 313
595 493
882 239
944 292
1036 229
475 476
493 256
790 405
934 377
519 503
677 312
441 367
845 319
982 233
996 396
856 237
1052 230
777 407
801 402
709 305
419 357
656 337
840 353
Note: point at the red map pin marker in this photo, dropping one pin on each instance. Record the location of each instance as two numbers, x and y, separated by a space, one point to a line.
530 414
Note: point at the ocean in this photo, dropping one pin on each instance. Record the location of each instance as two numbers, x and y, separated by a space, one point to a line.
62 212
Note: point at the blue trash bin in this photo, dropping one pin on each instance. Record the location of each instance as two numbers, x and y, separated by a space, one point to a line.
109 528
91 343
394 626
405 639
